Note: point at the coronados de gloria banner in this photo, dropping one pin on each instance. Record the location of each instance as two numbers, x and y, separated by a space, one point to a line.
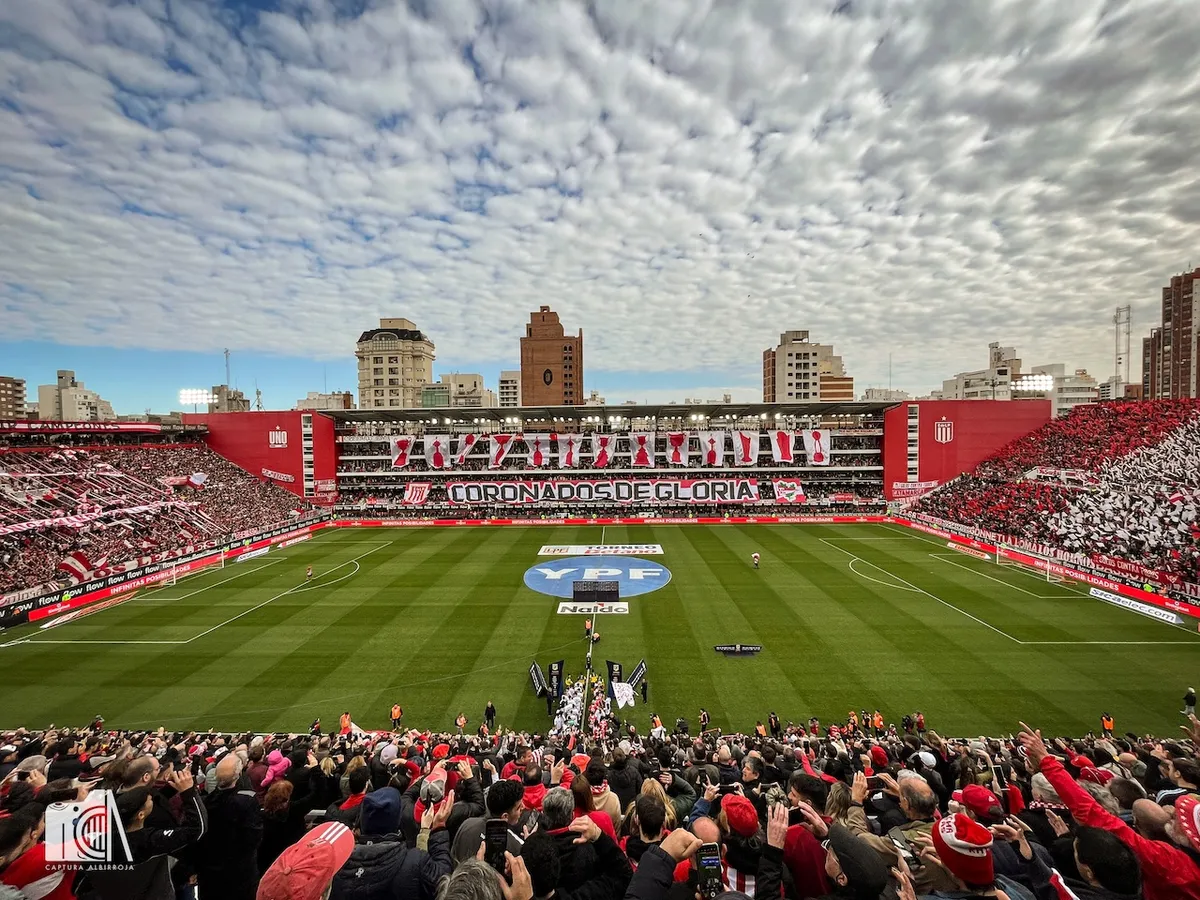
609 490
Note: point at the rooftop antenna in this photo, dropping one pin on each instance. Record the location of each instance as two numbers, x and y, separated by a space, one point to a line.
258 404
228 383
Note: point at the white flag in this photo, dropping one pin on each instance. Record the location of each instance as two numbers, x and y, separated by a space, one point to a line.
782 443
466 443
745 448
623 693
437 451
568 450
641 449
817 444
501 444
538 446
712 448
678 451
602 449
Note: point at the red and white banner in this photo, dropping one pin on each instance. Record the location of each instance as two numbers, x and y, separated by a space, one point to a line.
500 447
197 479
9 426
783 446
678 448
78 521
641 449
615 490
77 566
602 449
416 493
788 490
568 449
745 448
817 446
401 448
712 448
437 451
537 447
466 443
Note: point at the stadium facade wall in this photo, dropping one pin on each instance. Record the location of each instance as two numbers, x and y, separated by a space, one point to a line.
951 437
269 446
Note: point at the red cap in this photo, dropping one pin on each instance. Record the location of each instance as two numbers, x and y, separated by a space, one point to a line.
978 799
1096 776
879 758
441 751
740 814
580 761
1187 818
965 848
305 869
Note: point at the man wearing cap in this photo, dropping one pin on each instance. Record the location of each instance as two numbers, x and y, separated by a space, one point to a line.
305 870
1170 871
384 867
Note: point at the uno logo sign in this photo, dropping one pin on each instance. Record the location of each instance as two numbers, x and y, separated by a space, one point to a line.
634 576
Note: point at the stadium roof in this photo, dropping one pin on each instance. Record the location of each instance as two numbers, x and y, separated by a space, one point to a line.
673 411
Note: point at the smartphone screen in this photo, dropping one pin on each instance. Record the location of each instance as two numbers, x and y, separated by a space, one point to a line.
710 878
495 839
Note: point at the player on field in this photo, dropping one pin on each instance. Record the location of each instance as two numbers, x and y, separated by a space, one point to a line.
754 559
397 715
308 574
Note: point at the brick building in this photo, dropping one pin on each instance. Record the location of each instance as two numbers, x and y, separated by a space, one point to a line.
551 362
12 397
1171 353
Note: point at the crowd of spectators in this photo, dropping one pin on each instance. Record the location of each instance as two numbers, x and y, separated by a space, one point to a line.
103 483
1141 501
847 811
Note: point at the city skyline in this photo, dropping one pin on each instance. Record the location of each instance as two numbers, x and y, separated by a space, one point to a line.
274 176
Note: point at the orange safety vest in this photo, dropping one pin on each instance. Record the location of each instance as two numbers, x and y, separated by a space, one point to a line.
761 729
396 711
878 720
1107 722
345 720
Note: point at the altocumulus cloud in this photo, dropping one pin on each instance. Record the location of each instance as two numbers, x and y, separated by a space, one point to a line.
682 178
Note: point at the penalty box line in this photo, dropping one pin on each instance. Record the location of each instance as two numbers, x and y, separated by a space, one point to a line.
295 589
912 587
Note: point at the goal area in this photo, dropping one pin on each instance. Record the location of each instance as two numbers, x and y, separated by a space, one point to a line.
1025 560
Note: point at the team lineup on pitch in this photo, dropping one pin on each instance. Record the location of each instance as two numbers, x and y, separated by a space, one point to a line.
450 618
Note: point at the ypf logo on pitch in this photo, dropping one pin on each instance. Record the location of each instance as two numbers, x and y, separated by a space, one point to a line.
634 576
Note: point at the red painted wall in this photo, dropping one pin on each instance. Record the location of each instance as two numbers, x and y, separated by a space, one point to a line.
975 430
245 439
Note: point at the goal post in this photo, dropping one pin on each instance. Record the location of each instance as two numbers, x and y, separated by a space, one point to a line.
1027 561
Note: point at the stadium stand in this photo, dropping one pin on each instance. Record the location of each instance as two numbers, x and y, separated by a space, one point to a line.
842 811
112 505
1124 481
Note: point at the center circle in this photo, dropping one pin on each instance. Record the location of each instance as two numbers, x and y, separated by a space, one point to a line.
634 576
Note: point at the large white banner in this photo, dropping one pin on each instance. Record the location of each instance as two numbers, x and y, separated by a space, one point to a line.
602 449
568 450
614 490
641 449
745 448
537 450
817 444
678 449
466 443
782 446
401 448
437 451
712 448
500 447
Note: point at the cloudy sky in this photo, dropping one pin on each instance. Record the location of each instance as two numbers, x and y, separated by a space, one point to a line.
683 179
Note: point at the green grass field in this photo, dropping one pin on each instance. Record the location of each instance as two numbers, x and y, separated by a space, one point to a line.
439 620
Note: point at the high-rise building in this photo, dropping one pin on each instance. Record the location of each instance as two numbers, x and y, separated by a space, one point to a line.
227 400
395 361
551 362
1171 352
67 400
12 397
468 391
798 369
337 400
510 387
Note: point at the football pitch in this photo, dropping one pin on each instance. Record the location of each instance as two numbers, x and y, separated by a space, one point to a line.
440 620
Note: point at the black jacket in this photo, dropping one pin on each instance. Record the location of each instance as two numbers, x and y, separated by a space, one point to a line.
577 862
64 767
149 848
226 858
386 869
625 781
654 876
610 875
466 841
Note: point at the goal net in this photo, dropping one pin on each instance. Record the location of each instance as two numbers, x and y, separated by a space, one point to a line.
176 572
1027 561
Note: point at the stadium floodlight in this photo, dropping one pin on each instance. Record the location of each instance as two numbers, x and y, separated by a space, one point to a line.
1038 384
196 396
